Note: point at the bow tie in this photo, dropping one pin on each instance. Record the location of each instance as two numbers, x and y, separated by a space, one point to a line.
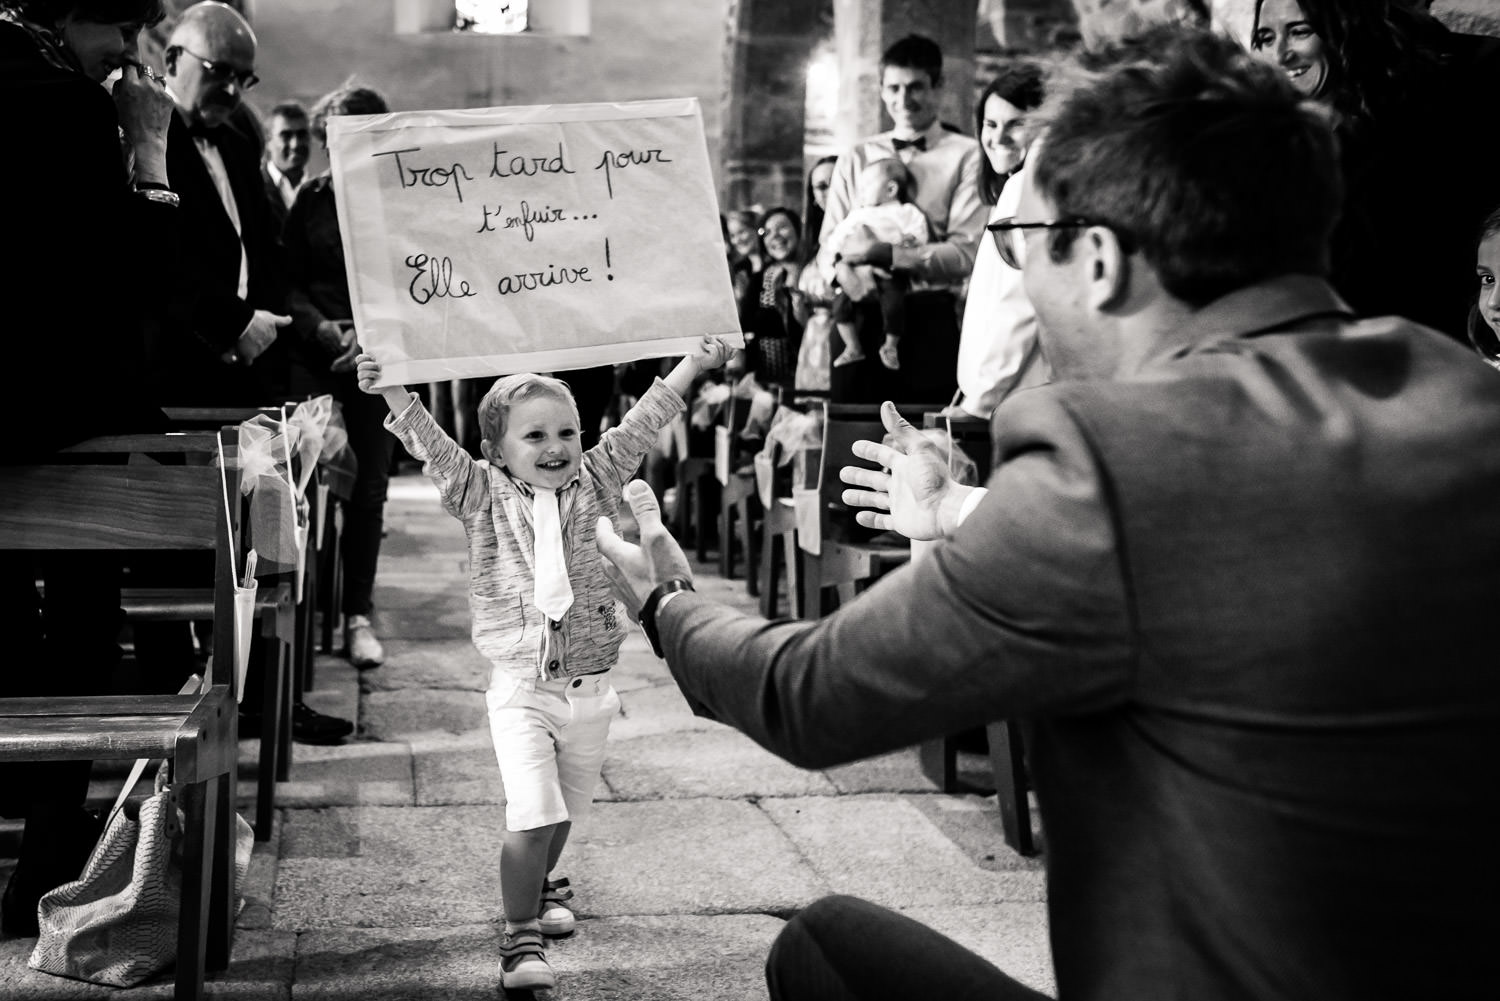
919 144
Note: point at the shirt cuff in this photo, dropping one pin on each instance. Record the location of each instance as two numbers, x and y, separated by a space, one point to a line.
970 503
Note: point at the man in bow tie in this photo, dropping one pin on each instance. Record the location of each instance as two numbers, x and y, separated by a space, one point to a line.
215 344
944 166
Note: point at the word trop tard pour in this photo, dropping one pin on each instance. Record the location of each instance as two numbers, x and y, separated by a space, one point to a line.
433 276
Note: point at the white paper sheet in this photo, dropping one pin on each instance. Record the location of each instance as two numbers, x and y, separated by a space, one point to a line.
498 240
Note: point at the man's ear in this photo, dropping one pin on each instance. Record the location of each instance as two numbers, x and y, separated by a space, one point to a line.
1108 267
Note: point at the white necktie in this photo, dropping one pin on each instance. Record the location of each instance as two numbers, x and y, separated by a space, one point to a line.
553 595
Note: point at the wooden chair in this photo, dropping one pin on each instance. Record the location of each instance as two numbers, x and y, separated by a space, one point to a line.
836 553
739 504
778 534
695 483
136 508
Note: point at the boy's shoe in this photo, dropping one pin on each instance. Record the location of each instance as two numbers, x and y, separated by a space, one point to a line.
523 962
359 640
555 916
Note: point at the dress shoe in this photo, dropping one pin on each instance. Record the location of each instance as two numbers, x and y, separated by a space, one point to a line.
364 650
308 725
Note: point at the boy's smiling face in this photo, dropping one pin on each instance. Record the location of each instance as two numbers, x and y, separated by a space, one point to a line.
540 443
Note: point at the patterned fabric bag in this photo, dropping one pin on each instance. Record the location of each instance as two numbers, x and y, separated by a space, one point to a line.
117 923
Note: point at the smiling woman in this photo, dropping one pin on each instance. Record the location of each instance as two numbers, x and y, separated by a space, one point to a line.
1406 93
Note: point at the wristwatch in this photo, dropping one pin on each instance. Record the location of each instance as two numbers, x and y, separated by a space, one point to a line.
654 601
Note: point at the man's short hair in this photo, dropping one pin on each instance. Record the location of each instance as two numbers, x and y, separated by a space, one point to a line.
915 52
290 110
1197 155
348 99
494 409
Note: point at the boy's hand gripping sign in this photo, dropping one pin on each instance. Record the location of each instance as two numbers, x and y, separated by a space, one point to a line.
498 240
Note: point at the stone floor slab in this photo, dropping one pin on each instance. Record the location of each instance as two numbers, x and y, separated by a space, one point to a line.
705 856
899 771
400 716
884 849
399 964
714 762
260 969
359 772
648 712
453 769
433 663
371 867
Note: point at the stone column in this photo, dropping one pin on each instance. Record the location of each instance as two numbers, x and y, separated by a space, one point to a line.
769 45
863 29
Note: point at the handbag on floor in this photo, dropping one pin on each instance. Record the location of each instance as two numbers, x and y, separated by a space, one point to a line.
116 924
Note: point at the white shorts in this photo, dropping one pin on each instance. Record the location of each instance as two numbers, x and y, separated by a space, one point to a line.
549 739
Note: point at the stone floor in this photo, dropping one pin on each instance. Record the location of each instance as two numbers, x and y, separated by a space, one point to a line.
381 878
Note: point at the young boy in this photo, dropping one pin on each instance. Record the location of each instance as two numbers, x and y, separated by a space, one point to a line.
544 613
884 190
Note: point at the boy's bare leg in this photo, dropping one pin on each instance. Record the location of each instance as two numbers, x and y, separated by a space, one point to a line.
524 859
559 840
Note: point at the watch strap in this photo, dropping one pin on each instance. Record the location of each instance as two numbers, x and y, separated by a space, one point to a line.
653 601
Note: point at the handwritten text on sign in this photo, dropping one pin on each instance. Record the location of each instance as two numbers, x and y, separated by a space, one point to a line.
529 239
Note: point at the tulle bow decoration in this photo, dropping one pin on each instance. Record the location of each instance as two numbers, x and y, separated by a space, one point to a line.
265 450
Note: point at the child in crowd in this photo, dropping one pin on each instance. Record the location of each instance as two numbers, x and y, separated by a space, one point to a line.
544 612
884 189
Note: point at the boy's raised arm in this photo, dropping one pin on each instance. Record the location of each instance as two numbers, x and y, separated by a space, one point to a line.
712 353
367 371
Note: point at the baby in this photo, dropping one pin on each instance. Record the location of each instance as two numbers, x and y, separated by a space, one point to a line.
885 212
544 613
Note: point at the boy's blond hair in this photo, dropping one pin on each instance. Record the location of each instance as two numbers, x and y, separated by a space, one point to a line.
509 390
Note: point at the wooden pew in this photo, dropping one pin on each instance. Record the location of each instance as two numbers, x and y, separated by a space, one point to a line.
274 611
144 507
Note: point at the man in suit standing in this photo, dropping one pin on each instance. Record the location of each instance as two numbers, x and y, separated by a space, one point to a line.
944 166
288 145
1235 571
216 343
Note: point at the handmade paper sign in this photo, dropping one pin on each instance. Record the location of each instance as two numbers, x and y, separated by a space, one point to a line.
498 240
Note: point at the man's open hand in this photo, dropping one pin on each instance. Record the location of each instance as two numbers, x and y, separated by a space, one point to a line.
635 570
919 497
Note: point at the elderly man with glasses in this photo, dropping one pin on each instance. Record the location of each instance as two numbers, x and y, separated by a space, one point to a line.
216 344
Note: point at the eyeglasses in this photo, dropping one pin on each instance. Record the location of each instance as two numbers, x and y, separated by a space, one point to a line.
1010 239
224 72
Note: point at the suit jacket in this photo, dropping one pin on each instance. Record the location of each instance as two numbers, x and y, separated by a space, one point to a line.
273 201
205 315
1247 601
